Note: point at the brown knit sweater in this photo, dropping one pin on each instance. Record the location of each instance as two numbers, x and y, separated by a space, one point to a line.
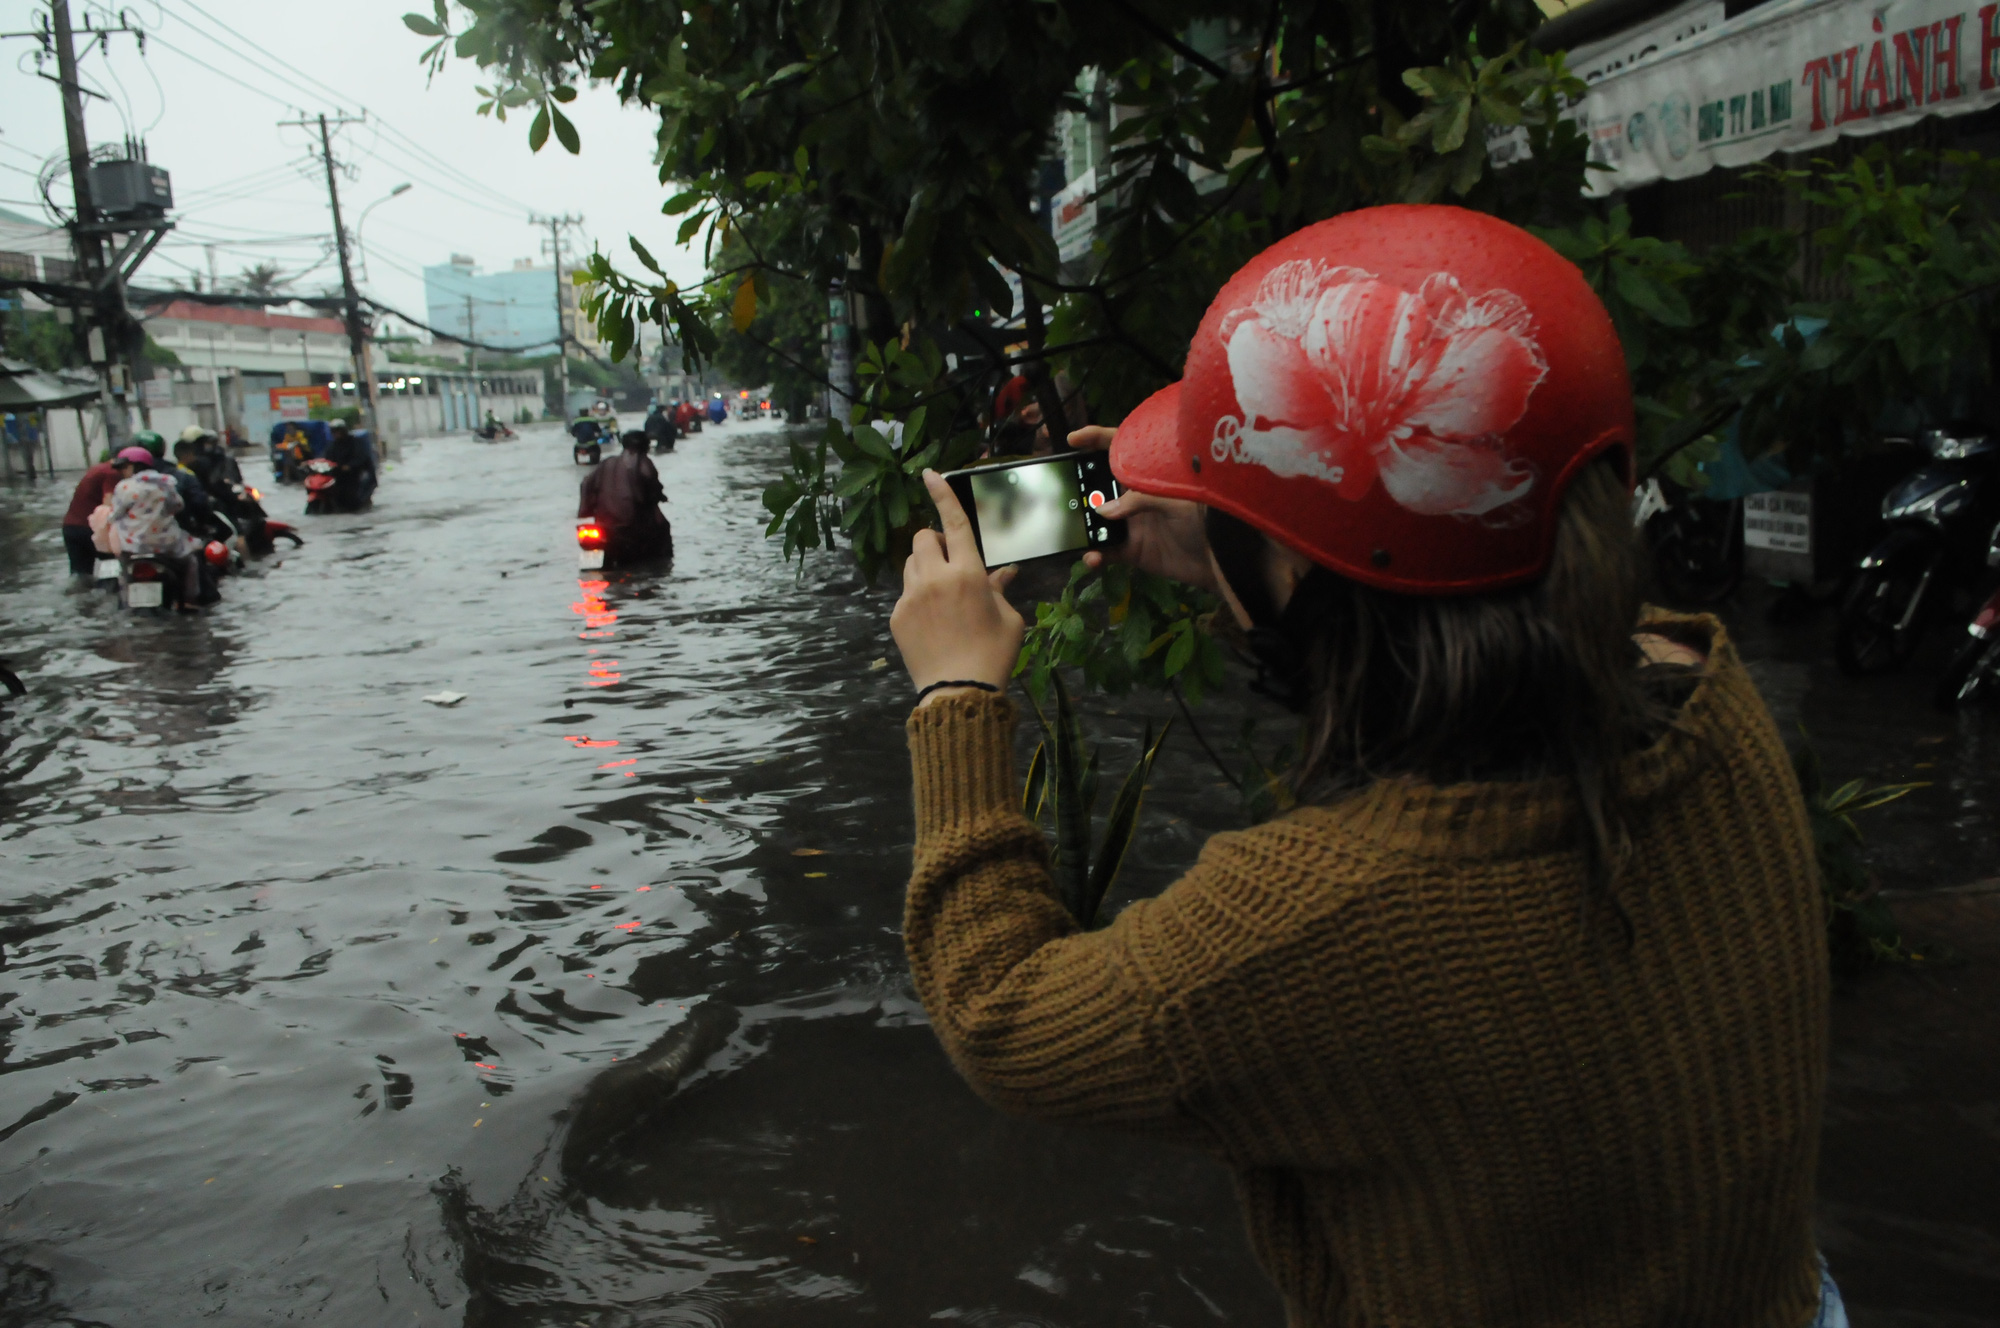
1446 1105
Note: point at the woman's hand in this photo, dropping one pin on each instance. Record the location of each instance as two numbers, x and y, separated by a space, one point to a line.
952 621
1163 535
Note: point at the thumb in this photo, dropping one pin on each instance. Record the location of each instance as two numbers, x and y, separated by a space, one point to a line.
1001 578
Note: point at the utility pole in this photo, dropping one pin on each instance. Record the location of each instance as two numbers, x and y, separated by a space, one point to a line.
107 315
471 334
555 225
350 299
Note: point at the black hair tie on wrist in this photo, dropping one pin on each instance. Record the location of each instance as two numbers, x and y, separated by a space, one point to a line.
956 682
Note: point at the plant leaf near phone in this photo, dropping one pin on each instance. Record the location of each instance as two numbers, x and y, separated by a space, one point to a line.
909 416
1062 781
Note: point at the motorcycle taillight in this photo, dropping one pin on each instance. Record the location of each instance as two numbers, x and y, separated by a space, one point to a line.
145 572
590 536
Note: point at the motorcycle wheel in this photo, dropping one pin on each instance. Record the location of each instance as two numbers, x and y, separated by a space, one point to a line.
1869 639
1969 674
1698 553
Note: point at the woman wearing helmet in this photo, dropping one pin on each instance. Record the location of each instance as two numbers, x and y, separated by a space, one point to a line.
1520 1017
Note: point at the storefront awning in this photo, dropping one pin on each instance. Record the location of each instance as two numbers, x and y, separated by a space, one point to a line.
24 387
1785 77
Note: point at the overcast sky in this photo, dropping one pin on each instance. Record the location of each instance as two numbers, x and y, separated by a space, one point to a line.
207 97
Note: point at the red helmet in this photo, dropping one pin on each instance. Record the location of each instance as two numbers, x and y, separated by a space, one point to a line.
1401 394
216 552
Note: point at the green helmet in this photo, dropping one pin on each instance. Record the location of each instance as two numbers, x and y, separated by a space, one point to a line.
151 441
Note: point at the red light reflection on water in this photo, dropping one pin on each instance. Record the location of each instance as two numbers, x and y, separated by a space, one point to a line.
579 740
613 765
596 613
603 673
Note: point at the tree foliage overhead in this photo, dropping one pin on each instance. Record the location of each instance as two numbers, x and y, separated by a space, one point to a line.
899 146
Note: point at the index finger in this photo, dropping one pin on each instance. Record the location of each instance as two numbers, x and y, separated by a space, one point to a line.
960 545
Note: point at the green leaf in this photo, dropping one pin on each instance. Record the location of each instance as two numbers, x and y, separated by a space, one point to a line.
1120 825
1661 303
1182 650
690 226
565 131
1034 793
857 479
682 201
538 132
644 256
1072 816
870 440
564 94
422 26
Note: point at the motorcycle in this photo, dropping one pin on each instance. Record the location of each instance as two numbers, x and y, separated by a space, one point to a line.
146 582
1936 547
319 487
493 433
587 449
590 544
1696 542
260 533
1974 670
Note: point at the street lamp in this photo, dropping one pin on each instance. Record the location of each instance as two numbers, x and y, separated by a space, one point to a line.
360 248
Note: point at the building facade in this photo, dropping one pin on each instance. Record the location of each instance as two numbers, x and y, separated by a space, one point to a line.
515 309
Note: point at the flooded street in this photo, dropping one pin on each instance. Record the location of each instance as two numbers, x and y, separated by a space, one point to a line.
582 1001
306 979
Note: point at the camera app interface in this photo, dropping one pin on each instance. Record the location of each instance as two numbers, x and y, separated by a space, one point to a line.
1032 511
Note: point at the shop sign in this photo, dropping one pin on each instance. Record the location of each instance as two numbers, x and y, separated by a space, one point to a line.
1073 216
1789 77
296 403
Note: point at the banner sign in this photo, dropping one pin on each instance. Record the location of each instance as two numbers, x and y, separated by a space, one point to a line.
296 403
1073 216
1785 77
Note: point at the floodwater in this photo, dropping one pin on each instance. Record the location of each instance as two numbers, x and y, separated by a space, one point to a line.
312 987
582 1001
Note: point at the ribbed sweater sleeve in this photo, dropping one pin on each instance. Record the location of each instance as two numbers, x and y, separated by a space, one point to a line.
1040 1018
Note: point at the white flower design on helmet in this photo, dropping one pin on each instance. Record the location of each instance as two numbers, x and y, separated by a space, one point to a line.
1343 377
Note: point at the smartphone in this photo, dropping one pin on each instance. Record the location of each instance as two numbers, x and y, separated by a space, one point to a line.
1039 506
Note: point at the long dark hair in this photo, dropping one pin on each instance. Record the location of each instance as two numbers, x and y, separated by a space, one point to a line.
1535 681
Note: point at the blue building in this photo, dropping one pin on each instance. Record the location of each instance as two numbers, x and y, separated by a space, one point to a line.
516 309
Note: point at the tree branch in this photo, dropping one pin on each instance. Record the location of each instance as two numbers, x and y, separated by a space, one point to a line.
1172 43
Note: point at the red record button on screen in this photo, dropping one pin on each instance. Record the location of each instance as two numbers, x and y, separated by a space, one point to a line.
1096 498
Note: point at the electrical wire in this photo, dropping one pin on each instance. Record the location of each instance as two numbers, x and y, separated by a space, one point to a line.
276 101
410 146
415 157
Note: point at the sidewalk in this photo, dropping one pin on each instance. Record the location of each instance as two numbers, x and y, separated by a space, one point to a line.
1909 1206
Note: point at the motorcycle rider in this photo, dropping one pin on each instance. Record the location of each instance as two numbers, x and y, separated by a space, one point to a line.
212 463
93 490
660 429
354 469
144 506
624 496
196 506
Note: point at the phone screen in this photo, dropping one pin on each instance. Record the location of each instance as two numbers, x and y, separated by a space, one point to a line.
1039 506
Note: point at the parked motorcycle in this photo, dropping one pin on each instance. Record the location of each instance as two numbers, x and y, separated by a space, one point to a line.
1974 670
319 487
1696 542
1935 549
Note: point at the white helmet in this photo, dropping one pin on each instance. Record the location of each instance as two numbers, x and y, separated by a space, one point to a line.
194 433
